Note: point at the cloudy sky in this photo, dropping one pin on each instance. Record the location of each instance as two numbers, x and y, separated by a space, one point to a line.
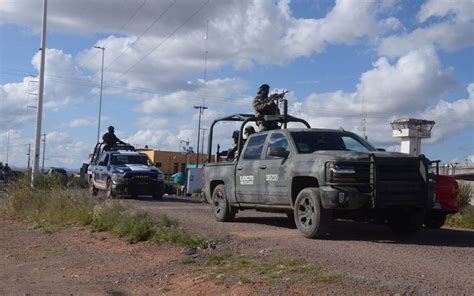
341 61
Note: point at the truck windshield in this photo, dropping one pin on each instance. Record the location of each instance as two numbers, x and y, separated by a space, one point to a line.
118 159
308 142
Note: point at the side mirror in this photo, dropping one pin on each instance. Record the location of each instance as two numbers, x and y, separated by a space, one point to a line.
278 152
381 149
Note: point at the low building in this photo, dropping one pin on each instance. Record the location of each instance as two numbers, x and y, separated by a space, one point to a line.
171 162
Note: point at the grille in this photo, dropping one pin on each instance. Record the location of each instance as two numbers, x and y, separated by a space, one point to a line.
400 181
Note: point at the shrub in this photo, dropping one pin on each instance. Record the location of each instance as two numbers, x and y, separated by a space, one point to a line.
464 219
47 205
130 225
464 196
52 206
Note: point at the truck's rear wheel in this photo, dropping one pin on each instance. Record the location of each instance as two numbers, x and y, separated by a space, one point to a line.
406 221
92 190
220 205
311 219
157 196
435 219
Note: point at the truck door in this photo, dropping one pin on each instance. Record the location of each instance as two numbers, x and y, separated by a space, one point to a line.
274 171
247 170
101 171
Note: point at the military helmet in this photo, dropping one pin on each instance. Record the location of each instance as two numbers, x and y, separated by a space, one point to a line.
264 86
249 130
111 128
235 134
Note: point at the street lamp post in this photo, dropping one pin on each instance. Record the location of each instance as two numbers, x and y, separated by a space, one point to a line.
203 139
39 109
101 86
201 108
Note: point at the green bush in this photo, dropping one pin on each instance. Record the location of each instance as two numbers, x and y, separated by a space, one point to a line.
168 231
113 217
463 219
464 196
51 206
47 205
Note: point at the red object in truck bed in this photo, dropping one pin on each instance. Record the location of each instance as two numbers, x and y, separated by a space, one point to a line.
447 191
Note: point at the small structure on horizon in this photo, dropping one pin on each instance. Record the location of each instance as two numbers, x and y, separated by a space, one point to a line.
411 131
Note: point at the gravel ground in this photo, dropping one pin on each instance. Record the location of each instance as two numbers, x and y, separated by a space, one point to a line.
432 262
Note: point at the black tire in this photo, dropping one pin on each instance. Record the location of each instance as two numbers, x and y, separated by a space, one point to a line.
435 220
92 190
157 196
110 193
310 218
222 211
406 221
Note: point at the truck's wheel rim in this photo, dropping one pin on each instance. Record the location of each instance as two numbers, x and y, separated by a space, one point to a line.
91 186
219 203
306 212
109 190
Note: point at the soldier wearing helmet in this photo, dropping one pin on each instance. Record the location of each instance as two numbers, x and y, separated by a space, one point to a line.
110 139
232 151
249 130
265 106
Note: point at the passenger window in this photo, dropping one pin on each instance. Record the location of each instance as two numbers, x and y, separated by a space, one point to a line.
278 142
104 160
255 147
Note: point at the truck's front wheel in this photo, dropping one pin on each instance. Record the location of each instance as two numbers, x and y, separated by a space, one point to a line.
110 192
435 219
220 205
406 221
92 190
311 219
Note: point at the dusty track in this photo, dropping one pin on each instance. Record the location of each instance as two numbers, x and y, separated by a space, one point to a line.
374 259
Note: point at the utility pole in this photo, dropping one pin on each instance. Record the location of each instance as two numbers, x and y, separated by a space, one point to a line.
8 144
201 108
29 156
39 109
44 151
100 96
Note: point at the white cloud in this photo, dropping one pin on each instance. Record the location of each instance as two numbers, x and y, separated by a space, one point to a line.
82 122
17 96
452 117
452 29
241 33
217 93
410 87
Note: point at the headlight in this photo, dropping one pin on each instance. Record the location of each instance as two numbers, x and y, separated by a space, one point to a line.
117 176
340 173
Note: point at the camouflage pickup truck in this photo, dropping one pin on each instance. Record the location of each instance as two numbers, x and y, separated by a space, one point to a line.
317 175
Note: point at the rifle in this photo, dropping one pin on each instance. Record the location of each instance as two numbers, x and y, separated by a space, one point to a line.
276 97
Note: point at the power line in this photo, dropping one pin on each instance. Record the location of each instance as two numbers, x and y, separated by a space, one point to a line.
141 34
119 30
166 39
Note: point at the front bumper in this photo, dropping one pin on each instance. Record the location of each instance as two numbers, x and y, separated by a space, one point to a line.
347 198
127 187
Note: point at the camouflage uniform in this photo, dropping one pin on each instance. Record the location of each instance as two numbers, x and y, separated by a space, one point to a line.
231 154
262 108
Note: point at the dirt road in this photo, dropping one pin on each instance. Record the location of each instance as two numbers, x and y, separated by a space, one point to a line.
374 259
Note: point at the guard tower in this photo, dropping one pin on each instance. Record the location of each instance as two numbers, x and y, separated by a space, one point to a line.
411 131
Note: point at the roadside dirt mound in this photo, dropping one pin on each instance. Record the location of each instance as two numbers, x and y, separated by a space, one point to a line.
76 260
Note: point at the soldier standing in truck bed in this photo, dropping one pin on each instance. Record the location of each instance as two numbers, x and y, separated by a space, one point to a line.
263 105
110 139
